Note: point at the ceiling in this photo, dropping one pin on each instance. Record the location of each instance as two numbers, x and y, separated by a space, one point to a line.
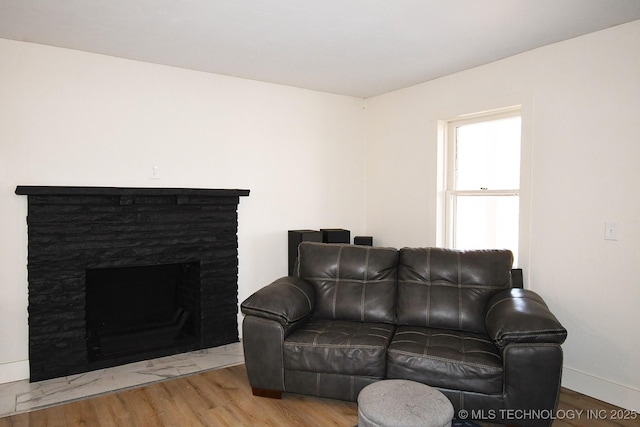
353 47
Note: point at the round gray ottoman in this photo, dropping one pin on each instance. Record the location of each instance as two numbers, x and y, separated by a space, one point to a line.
403 403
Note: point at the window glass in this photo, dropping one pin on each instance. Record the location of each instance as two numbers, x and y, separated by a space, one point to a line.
488 155
487 222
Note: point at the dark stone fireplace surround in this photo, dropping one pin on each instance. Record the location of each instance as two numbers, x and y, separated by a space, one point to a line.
75 229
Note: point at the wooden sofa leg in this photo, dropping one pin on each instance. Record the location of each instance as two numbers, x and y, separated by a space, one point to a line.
272 394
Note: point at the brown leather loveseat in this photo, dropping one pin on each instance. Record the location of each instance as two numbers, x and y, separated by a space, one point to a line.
353 315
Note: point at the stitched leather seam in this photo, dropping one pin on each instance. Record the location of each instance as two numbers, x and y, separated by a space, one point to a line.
376 335
459 291
533 344
302 292
351 387
431 346
412 332
444 359
364 287
534 332
377 328
426 346
348 331
282 370
444 335
444 284
495 304
511 298
342 333
427 313
335 290
362 346
338 279
447 348
508 337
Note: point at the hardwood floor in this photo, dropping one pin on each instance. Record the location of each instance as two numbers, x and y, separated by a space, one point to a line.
223 398
214 398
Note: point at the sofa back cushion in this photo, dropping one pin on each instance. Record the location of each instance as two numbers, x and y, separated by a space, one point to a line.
351 282
450 289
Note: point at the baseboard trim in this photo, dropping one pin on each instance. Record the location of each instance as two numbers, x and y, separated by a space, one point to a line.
599 388
14 371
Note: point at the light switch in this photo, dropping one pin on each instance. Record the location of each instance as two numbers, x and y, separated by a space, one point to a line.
155 172
610 230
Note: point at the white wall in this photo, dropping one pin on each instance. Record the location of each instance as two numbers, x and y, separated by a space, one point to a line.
71 118
581 109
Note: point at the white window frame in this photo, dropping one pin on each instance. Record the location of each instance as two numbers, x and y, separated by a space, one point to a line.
451 193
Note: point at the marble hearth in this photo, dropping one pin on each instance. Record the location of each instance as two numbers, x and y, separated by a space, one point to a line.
24 396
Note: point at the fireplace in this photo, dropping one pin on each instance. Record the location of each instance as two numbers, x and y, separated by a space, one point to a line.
132 310
118 275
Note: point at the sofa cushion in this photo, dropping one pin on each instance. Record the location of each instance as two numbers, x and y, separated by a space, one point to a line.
351 282
340 347
453 360
450 289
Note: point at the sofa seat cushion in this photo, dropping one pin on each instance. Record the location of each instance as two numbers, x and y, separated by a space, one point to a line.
339 347
448 359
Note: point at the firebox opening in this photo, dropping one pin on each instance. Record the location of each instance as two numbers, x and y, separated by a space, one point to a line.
135 310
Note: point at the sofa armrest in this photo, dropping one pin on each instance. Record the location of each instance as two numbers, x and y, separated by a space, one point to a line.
521 316
287 300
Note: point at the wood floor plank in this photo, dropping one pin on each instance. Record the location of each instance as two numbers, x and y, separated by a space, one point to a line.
110 411
81 414
52 417
165 405
187 403
223 398
140 407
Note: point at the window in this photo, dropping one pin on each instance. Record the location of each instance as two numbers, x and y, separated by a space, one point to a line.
483 182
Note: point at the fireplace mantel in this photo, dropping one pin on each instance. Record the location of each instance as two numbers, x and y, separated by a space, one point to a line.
40 190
